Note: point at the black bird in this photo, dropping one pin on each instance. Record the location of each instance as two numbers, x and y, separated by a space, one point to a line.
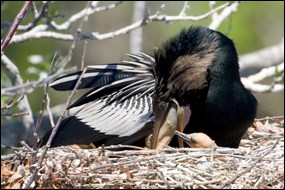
196 69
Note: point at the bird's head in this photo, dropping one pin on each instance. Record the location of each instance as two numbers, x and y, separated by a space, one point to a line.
185 66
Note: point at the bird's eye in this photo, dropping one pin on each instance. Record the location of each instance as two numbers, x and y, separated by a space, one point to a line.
192 140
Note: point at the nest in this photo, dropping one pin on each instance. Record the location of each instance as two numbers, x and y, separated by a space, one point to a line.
257 163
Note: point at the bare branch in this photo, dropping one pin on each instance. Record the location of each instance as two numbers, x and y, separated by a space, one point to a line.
12 103
23 106
18 114
37 34
259 158
85 12
251 81
39 164
49 112
136 36
38 16
266 73
254 61
14 26
184 9
64 26
28 87
212 5
224 14
54 131
35 10
40 31
39 121
83 55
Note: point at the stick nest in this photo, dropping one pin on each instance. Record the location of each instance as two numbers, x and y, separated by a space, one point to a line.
257 163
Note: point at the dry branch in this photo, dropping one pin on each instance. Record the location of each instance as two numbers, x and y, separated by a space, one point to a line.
258 163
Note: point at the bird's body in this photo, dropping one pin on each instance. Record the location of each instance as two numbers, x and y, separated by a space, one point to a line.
197 68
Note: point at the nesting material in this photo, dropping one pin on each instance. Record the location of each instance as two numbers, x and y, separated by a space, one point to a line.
257 163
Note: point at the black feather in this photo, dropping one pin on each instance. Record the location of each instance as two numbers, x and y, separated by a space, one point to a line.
198 67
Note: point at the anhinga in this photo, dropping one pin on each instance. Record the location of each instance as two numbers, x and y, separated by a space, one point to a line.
196 69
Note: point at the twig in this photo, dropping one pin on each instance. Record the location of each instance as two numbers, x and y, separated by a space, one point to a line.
12 103
38 16
136 36
39 121
254 61
270 118
54 131
14 26
251 82
35 11
212 5
66 25
32 177
40 30
266 73
12 148
87 11
259 158
159 156
24 105
186 6
18 114
49 112
29 86
224 14
83 55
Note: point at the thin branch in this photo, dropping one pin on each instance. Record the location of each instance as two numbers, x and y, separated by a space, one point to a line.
39 121
18 114
267 57
29 87
35 11
259 158
136 36
49 112
271 118
266 73
186 6
54 131
262 88
251 82
83 55
212 5
16 79
85 12
66 25
65 109
45 149
14 26
37 34
38 16
224 14
12 103
40 31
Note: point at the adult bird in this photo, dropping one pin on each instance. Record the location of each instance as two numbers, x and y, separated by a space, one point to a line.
197 69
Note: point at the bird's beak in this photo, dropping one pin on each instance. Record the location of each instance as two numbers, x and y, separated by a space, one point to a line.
197 140
182 135
166 122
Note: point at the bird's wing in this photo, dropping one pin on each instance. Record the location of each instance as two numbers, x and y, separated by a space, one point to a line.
118 109
135 76
110 124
